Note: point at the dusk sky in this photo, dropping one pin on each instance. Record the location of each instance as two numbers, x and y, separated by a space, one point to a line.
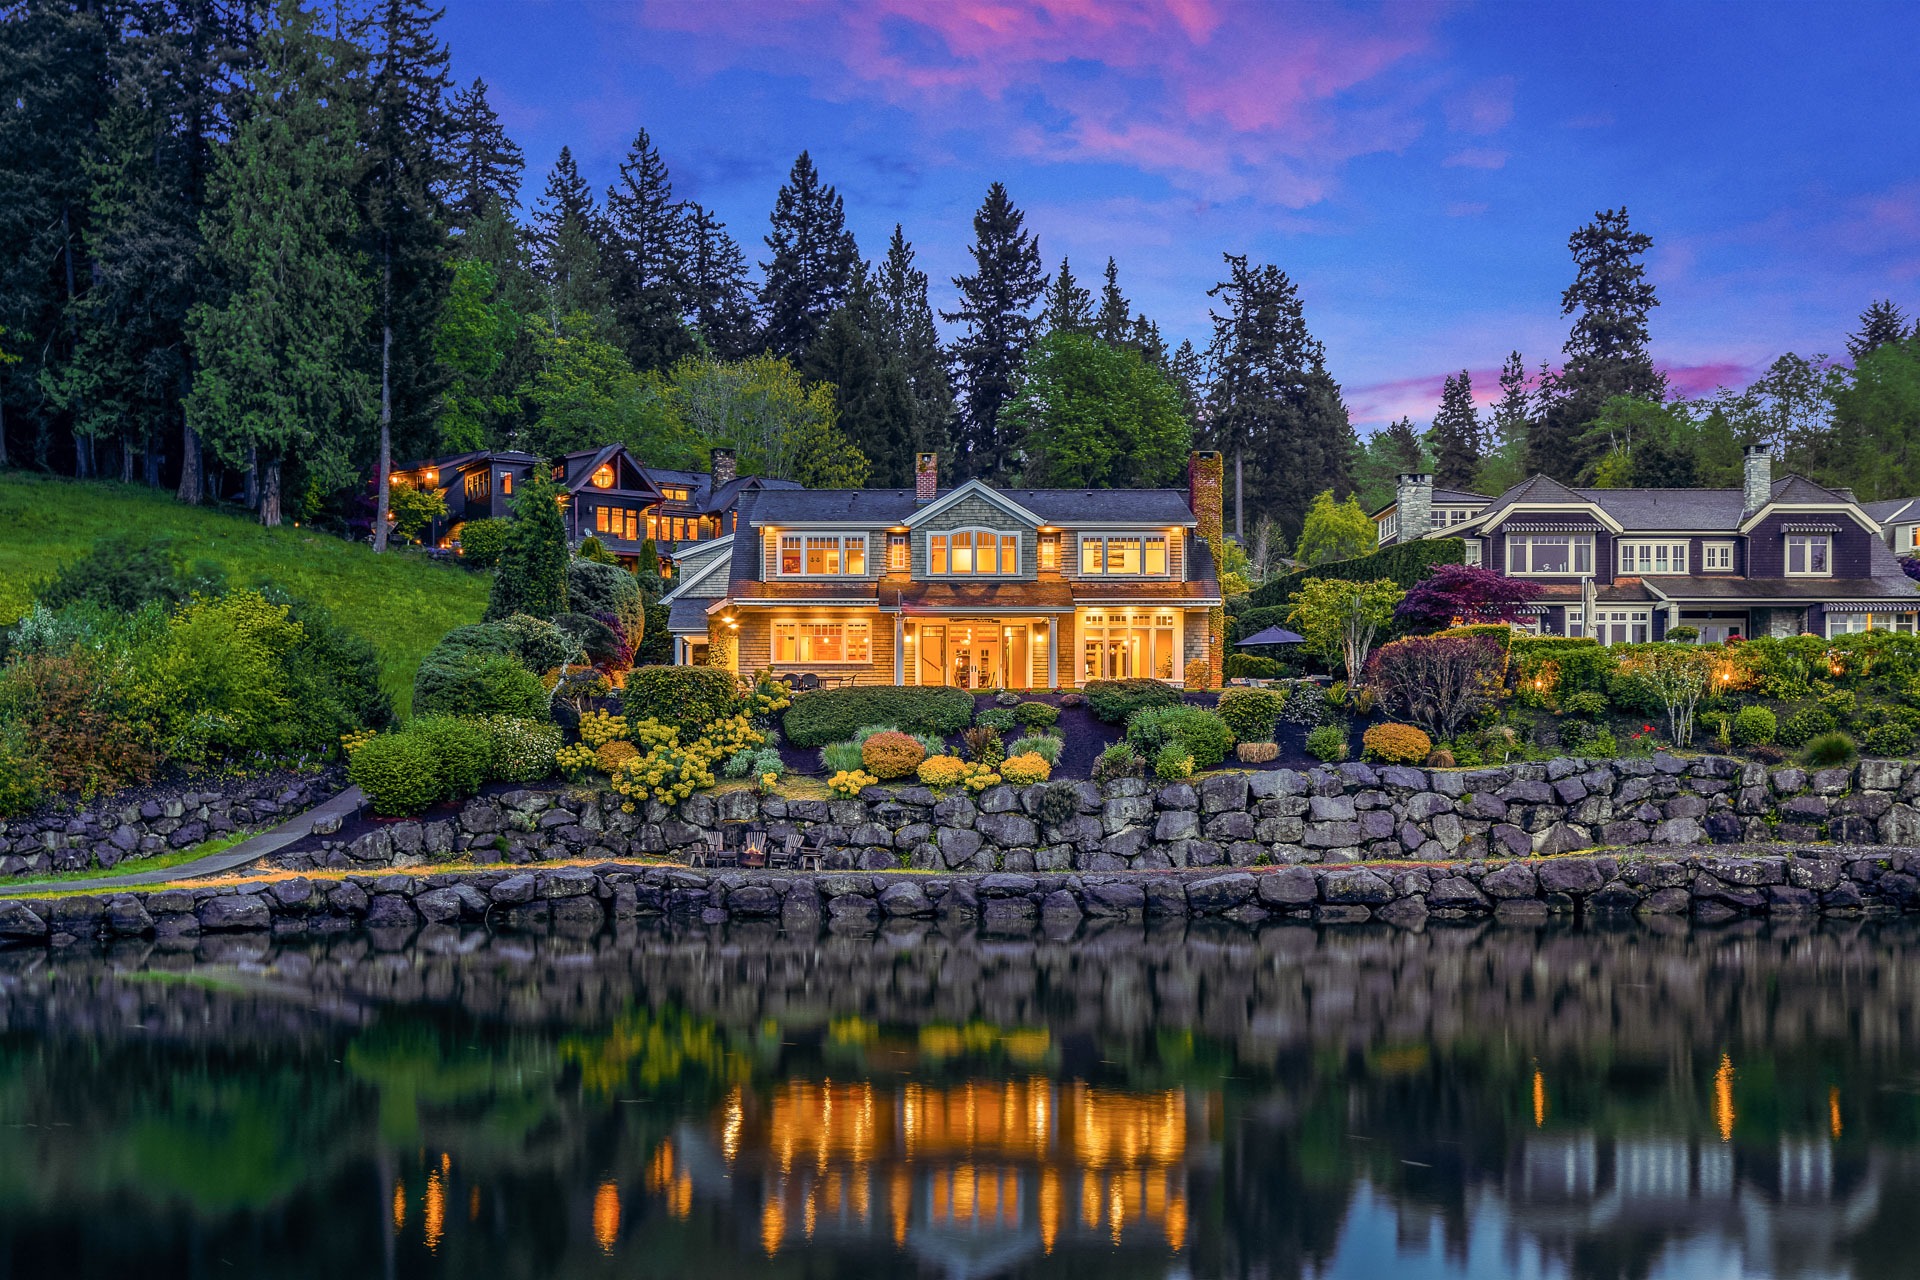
1416 168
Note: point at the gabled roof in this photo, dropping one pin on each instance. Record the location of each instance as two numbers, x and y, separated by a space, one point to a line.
975 489
577 471
1888 510
1441 498
1670 510
880 507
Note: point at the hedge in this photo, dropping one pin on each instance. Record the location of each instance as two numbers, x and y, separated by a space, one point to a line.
685 697
1403 565
478 684
1115 700
832 715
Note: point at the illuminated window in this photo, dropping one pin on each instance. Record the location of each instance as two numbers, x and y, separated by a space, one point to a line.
506 483
822 642
1049 551
477 486
1809 555
600 519
897 545
603 477
1130 554
973 552
817 555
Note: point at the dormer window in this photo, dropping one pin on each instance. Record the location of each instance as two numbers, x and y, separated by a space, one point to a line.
973 553
823 555
1809 555
603 476
1131 554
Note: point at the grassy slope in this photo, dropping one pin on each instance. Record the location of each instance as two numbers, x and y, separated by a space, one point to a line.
403 603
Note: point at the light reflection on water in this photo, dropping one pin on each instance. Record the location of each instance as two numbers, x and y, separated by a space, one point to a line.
1463 1104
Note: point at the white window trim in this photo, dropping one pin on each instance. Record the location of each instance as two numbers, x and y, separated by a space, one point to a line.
844 539
843 624
1625 546
1848 615
1572 571
1706 557
1786 556
1576 617
1080 555
1474 551
1000 534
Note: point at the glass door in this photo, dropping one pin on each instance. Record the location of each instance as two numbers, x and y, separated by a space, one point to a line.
975 654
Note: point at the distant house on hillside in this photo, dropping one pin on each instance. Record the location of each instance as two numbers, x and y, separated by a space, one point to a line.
609 495
1771 558
1899 520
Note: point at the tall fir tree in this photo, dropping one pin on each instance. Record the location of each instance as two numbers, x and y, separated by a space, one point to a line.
1505 463
718 295
1403 447
914 343
870 387
811 262
1880 323
280 371
1456 435
996 306
1272 404
645 244
1606 351
1068 306
1189 373
487 165
404 172
1111 323
569 252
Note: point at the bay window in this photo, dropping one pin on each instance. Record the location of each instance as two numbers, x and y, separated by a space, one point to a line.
822 642
1848 623
1653 557
1124 554
1538 554
1809 555
973 552
822 555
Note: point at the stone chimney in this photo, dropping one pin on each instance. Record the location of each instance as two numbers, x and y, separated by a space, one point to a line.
1414 499
721 467
926 478
1759 477
1206 495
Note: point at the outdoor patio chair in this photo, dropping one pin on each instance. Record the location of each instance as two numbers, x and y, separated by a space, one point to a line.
787 855
806 681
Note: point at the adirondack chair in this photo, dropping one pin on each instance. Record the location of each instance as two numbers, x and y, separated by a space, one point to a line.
787 855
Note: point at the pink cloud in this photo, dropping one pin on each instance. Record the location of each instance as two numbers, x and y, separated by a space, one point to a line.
1484 108
1476 158
1416 397
1691 380
1223 99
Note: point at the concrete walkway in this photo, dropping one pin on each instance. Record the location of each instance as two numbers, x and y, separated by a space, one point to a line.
250 850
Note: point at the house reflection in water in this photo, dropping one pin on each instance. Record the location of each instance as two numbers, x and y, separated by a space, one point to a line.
970 1177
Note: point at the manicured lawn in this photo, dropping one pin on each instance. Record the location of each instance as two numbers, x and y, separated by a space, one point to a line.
133 866
401 601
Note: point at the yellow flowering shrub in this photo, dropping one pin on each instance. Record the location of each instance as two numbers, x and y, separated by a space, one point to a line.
352 742
609 756
942 771
576 761
1025 769
650 733
734 733
850 782
598 728
980 776
668 774
768 696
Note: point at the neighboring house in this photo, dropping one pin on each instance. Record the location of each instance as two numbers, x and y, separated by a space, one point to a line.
1444 508
609 495
978 587
1899 520
1772 558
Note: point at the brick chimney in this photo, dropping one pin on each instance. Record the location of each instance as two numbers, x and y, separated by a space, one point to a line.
1205 486
1414 499
926 477
1758 477
721 467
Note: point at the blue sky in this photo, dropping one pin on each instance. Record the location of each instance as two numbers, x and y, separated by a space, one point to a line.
1416 168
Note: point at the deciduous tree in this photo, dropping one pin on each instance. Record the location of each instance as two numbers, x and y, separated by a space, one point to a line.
1097 416
1339 619
1334 531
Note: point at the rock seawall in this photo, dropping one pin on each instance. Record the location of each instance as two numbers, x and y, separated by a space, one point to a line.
1708 887
102 835
1347 813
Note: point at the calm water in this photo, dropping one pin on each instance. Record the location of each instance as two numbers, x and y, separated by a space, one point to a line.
1356 1103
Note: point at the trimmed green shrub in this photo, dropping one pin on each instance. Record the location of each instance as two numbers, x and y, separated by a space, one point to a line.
1201 733
333 681
1756 726
1806 724
1307 705
1001 718
1890 739
1036 715
482 541
1328 742
475 637
1118 761
1683 635
1113 701
1829 749
832 715
594 588
398 772
1044 745
687 698
523 750
477 684
125 572
595 637
1248 666
1250 713
1173 762
539 644
1587 703
462 752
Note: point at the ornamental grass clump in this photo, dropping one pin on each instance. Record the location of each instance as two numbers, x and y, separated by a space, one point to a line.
1396 743
891 754
1829 749
1044 745
983 744
1257 752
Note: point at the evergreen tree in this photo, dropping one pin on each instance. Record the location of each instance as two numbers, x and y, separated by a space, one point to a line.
404 171
1456 435
1272 402
645 242
569 256
914 343
1068 307
811 263
279 373
996 304
1880 324
718 296
479 329
1402 445
487 165
870 387
1144 336
1606 350
1111 324
1190 375
1389 453
532 575
1505 463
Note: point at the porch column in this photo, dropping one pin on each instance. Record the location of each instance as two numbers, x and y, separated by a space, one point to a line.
1053 651
899 648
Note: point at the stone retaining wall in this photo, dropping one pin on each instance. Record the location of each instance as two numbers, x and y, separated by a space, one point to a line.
1706 886
1347 813
119 829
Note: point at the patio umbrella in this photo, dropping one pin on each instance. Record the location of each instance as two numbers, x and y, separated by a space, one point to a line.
1274 635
